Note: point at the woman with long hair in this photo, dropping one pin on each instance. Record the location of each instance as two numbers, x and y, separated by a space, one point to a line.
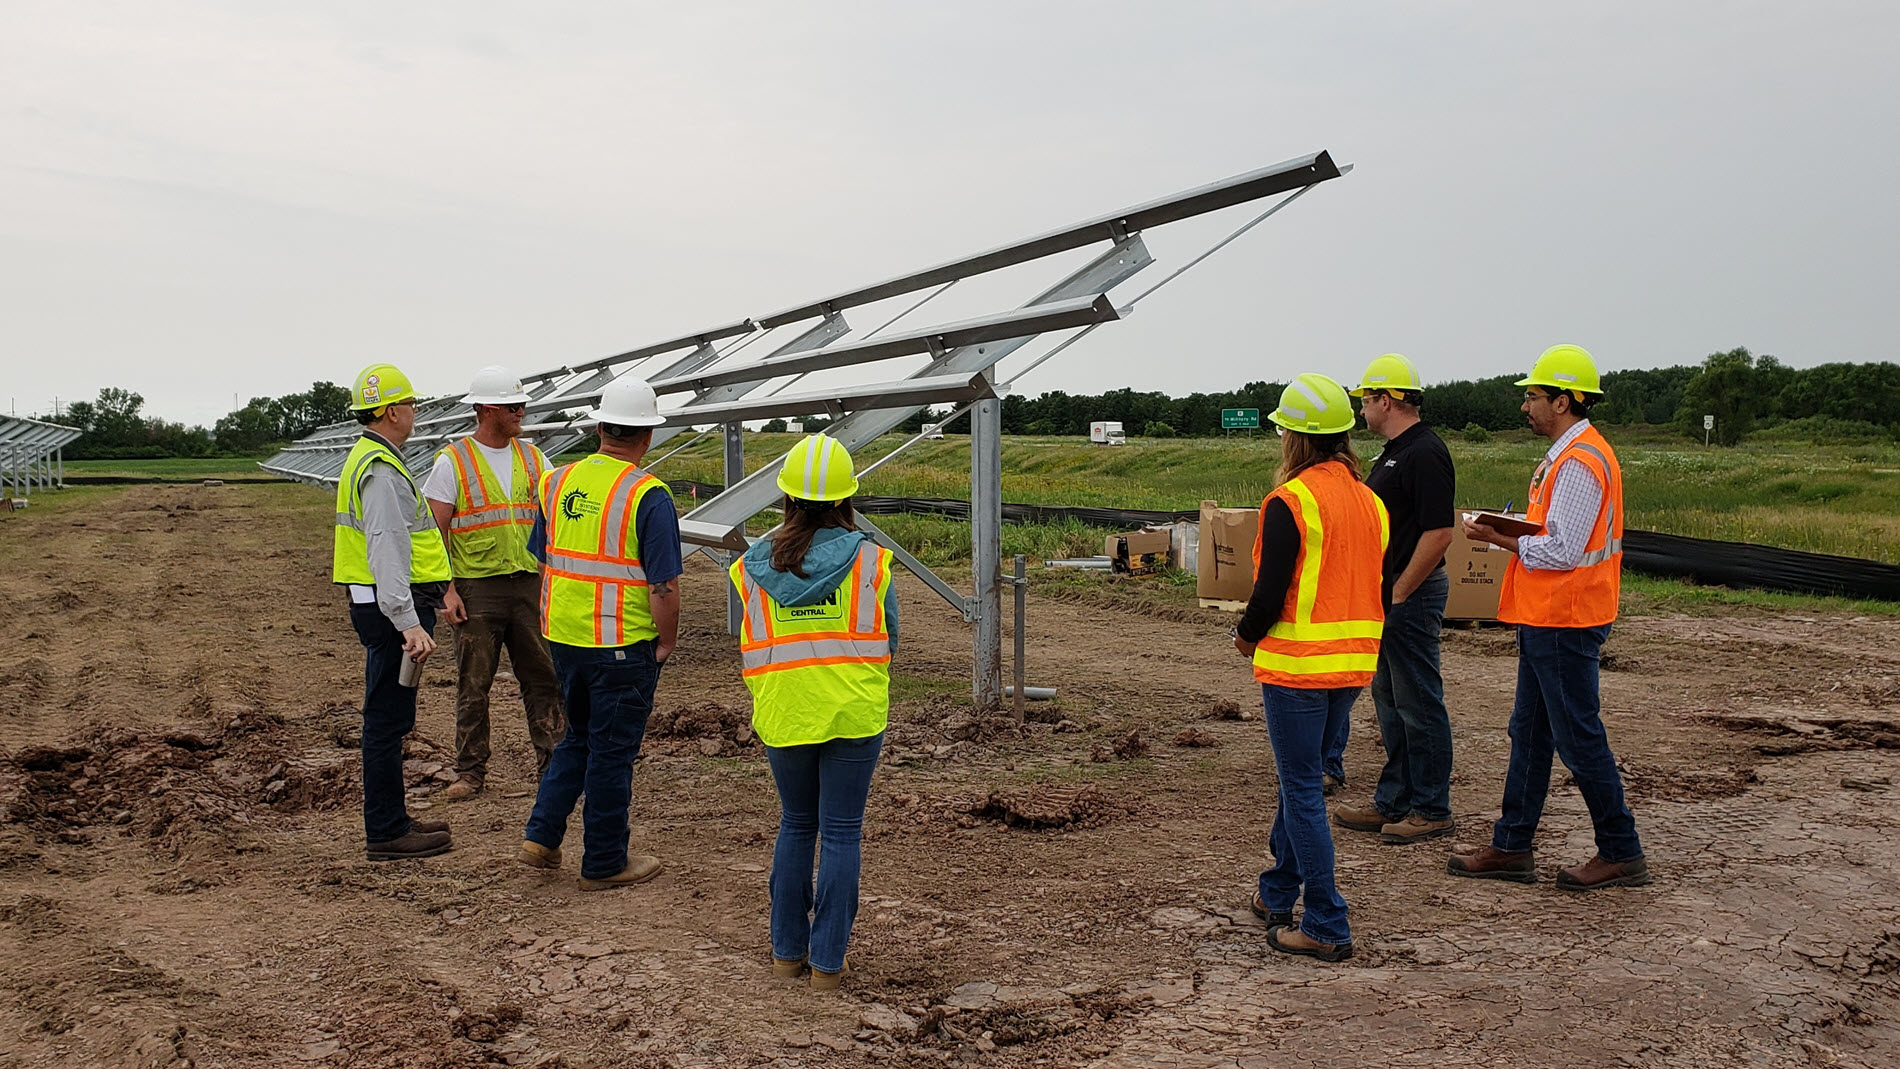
816 639
1311 629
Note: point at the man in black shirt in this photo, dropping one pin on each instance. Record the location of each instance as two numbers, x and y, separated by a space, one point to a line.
1414 477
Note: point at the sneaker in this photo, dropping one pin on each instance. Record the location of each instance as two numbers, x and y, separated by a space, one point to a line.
1490 863
1597 872
1330 784
640 868
536 856
1360 818
414 844
1415 828
829 981
462 790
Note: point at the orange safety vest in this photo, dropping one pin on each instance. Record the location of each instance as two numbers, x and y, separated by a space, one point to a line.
593 587
1328 632
1584 596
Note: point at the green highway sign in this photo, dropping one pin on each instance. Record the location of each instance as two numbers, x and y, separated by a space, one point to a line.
1237 418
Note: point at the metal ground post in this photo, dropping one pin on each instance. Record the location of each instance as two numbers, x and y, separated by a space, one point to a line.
986 551
1021 583
735 471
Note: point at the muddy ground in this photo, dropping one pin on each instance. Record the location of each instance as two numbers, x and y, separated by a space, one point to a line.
182 881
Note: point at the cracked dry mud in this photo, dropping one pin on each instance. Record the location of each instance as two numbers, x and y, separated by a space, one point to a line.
177 654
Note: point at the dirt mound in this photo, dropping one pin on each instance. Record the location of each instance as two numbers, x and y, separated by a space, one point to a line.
1195 737
1127 747
717 730
170 787
1225 709
1047 806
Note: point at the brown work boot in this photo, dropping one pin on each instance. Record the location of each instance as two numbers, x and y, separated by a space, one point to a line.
1415 828
1360 818
429 826
640 868
536 856
414 844
1597 872
788 970
462 789
1490 863
829 981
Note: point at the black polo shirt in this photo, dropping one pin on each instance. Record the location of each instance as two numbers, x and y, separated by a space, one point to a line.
1414 477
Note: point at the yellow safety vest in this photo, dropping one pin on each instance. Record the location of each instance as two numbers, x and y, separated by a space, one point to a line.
488 532
819 672
593 589
428 558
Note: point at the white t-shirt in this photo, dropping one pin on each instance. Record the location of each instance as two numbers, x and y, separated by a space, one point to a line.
440 485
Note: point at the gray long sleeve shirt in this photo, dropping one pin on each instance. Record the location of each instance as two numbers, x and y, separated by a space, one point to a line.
389 515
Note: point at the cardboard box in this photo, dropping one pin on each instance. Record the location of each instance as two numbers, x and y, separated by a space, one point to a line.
1226 552
1477 577
1138 552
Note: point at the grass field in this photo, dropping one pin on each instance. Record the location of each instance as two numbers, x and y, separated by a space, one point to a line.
170 467
1841 499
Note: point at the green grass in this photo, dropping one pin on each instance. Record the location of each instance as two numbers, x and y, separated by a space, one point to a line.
171 467
1842 499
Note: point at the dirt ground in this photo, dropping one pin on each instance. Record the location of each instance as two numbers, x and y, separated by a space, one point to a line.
182 880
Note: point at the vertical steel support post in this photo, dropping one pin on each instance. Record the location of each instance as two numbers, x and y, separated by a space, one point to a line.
62 467
986 551
1021 583
735 471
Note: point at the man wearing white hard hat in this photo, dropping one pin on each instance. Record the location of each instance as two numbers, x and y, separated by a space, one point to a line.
482 491
610 611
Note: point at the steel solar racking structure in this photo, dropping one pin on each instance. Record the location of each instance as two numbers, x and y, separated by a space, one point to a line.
962 368
32 455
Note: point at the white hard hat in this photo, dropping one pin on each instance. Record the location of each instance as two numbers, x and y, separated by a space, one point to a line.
629 402
496 385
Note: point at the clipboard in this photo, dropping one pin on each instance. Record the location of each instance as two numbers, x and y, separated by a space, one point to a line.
1504 525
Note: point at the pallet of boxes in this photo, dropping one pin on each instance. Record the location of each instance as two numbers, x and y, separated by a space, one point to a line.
1225 570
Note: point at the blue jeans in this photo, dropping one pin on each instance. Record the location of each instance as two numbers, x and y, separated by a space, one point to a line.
1298 723
821 793
389 713
1557 711
608 693
1409 694
1334 761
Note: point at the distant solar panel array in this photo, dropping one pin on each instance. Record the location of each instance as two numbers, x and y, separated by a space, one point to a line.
32 455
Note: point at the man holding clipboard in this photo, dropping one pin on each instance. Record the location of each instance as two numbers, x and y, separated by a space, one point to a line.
1561 590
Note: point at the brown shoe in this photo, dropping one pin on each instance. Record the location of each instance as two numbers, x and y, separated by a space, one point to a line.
1597 872
829 981
640 868
429 826
1329 784
1490 863
1294 941
536 856
462 790
1415 828
1360 818
788 970
414 844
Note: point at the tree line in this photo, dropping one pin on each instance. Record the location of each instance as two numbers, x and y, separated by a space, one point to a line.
1744 393
117 427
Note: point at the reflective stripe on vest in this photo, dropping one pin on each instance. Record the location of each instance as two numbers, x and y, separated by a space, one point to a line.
504 521
593 588
1587 595
822 671
1329 629
428 558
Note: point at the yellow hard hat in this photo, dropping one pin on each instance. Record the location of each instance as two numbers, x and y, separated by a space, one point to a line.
379 385
1388 372
1314 404
818 469
1565 367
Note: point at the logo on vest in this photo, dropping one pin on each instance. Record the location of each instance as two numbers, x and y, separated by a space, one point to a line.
828 609
574 505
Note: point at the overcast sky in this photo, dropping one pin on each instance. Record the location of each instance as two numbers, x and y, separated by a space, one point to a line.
202 199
